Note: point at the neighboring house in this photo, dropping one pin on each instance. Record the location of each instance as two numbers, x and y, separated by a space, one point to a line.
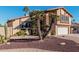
2 31
15 25
61 25
75 28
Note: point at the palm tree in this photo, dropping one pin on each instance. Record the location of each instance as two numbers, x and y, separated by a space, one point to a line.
26 10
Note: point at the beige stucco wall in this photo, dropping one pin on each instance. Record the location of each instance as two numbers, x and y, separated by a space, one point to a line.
24 19
15 26
63 13
70 20
69 30
47 19
58 12
9 32
2 31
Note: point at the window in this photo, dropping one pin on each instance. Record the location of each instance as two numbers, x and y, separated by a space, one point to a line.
25 25
64 18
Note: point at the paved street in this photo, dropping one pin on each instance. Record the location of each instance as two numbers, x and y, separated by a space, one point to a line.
73 37
24 50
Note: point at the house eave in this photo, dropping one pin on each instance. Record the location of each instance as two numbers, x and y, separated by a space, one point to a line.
59 8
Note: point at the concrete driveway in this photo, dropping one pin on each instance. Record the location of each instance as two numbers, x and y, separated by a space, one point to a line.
73 37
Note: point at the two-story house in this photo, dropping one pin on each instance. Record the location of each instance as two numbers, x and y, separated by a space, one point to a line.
61 25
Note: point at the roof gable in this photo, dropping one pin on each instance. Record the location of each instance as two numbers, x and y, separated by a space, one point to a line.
60 8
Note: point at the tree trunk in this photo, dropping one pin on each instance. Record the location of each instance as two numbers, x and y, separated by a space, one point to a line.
38 28
50 28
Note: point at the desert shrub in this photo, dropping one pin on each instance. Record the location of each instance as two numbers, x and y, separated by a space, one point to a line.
21 33
2 39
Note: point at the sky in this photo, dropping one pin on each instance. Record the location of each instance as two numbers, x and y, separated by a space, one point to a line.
11 12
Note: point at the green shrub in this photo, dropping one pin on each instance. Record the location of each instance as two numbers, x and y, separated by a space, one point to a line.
2 39
21 33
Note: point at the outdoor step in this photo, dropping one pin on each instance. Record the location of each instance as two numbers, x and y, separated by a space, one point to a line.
24 37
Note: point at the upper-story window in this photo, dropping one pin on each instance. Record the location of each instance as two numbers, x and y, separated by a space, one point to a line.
64 18
25 25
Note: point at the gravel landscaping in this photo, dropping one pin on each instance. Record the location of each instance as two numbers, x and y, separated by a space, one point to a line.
49 44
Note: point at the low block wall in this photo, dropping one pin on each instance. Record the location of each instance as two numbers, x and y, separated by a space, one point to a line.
2 31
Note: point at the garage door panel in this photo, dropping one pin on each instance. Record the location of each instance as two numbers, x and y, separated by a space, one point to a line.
62 30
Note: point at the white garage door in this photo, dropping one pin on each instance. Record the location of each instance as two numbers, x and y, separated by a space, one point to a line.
62 31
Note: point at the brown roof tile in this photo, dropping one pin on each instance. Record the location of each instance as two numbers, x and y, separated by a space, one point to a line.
60 8
17 18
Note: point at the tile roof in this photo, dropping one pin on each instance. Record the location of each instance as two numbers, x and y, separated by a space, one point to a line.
17 18
60 8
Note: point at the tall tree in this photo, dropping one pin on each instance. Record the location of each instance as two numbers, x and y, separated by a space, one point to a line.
52 18
37 16
26 10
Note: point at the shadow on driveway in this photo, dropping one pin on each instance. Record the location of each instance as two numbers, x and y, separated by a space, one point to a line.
51 44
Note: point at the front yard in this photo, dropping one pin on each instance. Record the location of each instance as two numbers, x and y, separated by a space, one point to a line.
49 44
